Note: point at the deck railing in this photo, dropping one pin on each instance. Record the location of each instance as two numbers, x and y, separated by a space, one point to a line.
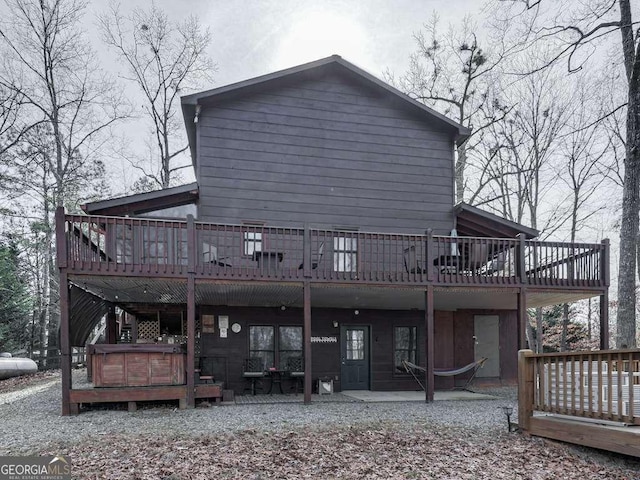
602 385
140 246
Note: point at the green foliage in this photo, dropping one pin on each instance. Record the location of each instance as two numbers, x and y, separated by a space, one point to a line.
15 301
577 334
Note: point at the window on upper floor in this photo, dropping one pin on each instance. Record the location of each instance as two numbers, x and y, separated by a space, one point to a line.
252 242
345 253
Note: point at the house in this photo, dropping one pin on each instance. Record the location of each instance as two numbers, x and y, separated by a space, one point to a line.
321 237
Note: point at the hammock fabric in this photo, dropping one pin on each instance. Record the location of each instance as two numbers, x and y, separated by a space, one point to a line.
441 372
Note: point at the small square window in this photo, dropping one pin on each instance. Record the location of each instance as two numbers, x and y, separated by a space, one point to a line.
252 242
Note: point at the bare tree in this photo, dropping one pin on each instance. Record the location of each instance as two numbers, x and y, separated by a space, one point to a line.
162 59
453 73
576 30
68 105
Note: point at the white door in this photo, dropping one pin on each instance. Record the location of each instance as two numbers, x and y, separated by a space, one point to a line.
487 344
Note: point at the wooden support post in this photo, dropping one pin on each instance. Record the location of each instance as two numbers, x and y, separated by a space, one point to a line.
65 344
522 318
525 388
429 265
604 297
521 275
191 311
307 340
191 340
429 342
604 320
306 252
112 326
65 347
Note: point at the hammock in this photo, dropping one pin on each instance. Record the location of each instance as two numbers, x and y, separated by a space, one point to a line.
441 372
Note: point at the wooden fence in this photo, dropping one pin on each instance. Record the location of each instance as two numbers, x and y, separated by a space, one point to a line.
601 385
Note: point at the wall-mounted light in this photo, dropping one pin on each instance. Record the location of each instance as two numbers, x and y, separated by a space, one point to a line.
335 324
283 308
356 312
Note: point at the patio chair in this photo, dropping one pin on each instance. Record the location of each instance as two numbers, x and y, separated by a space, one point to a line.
295 367
253 372
316 257
204 371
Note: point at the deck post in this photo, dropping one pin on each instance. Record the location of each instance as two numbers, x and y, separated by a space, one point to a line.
306 252
429 265
191 311
604 320
522 318
604 297
306 293
429 330
112 326
65 344
521 275
525 389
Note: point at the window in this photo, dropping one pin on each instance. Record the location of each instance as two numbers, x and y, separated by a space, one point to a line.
355 344
262 344
345 254
405 346
252 242
289 344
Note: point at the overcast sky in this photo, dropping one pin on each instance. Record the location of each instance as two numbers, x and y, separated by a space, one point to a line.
255 37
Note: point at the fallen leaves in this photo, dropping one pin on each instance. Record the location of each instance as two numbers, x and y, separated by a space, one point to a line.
23 381
376 451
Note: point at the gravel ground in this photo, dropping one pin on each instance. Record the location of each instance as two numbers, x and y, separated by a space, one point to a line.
32 425
33 422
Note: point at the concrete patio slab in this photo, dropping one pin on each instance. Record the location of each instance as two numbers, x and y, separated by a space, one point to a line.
369 396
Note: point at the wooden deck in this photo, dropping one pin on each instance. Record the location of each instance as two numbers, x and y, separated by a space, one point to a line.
586 398
101 245
131 395
614 438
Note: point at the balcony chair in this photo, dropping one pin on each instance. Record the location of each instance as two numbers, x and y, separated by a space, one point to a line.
295 367
253 371
210 255
476 256
411 263
316 257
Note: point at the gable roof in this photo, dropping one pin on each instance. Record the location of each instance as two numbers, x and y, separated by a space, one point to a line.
474 222
191 102
144 202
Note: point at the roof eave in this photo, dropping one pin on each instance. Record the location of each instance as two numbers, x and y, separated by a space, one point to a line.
144 202
462 132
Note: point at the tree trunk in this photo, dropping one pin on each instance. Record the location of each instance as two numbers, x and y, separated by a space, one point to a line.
461 163
531 338
539 331
626 318
565 327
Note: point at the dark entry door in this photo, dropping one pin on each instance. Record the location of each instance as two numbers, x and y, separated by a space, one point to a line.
354 351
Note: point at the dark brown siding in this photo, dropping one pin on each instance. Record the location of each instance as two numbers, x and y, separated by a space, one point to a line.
329 152
453 330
